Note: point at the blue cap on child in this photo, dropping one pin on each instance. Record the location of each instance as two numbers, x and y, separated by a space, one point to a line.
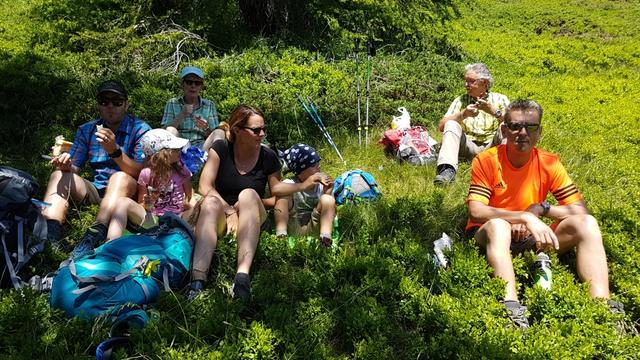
300 157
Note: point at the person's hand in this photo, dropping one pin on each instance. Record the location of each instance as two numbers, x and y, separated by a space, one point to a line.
518 232
187 110
470 111
317 178
544 236
107 139
484 105
232 223
201 123
62 162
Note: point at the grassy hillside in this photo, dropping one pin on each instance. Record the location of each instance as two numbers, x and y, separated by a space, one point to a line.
378 296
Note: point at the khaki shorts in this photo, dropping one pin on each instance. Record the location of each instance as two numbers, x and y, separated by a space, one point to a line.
93 196
310 228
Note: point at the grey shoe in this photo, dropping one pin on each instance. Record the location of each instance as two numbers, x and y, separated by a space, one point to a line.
617 308
195 289
445 176
241 288
517 313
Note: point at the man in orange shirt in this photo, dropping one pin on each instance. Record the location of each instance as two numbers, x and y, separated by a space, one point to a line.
507 198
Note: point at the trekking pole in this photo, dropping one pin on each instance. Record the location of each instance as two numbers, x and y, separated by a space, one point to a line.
320 125
371 52
356 50
323 128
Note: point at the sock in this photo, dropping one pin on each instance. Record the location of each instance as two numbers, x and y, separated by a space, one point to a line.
512 304
325 235
281 233
54 230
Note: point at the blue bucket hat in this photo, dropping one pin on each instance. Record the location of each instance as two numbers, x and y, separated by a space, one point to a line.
192 70
300 157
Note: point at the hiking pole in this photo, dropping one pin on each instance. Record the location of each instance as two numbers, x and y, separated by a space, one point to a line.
320 125
356 50
371 52
323 128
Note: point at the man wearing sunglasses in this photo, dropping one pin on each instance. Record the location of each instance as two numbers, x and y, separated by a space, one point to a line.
111 146
507 199
190 116
471 124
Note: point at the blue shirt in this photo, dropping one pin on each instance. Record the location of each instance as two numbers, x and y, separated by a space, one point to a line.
87 148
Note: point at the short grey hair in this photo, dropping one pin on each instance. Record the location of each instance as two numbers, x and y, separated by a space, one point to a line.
481 70
523 105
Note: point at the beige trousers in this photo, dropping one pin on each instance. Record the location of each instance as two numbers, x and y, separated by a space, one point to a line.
456 145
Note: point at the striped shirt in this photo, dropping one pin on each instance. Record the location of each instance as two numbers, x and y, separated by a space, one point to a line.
482 127
87 148
187 128
495 182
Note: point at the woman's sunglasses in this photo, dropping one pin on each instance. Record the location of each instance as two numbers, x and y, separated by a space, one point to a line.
256 130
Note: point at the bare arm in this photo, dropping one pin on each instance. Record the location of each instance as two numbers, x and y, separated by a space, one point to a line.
560 212
281 189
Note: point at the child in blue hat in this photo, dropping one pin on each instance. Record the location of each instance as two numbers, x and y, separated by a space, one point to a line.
311 207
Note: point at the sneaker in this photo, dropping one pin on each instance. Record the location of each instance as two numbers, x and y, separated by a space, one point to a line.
617 308
91 239
196 287
241 288
445 176
517 313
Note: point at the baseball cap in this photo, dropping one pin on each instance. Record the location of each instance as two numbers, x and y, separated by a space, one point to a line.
112 86
192 70
157 139
300 157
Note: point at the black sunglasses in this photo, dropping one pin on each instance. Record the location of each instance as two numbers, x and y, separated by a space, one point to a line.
257 130
193 82
516 127
106 102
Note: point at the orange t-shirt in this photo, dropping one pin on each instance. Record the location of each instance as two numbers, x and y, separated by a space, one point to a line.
495 182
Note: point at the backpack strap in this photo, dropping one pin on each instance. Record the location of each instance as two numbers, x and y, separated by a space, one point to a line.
15 280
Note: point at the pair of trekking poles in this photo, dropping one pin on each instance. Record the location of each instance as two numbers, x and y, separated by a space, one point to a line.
371 52
312 111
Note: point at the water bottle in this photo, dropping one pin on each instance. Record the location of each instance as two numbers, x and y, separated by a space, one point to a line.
334 233
543 271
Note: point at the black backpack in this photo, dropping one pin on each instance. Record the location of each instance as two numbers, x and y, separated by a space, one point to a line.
23 229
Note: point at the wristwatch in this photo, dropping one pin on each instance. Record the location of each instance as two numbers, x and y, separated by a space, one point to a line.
116 154
498 113
545 208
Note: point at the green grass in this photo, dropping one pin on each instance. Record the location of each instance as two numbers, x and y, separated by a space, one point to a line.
379 296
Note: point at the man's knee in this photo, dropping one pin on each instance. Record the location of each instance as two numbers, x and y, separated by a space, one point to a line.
452 126
496 232
581 224
121 182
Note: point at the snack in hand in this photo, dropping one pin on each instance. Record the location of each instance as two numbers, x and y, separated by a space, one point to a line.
60 146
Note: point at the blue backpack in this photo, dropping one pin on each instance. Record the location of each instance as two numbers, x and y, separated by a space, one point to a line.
355 185
126 273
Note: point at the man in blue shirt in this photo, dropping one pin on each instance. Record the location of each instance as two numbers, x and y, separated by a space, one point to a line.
111 145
